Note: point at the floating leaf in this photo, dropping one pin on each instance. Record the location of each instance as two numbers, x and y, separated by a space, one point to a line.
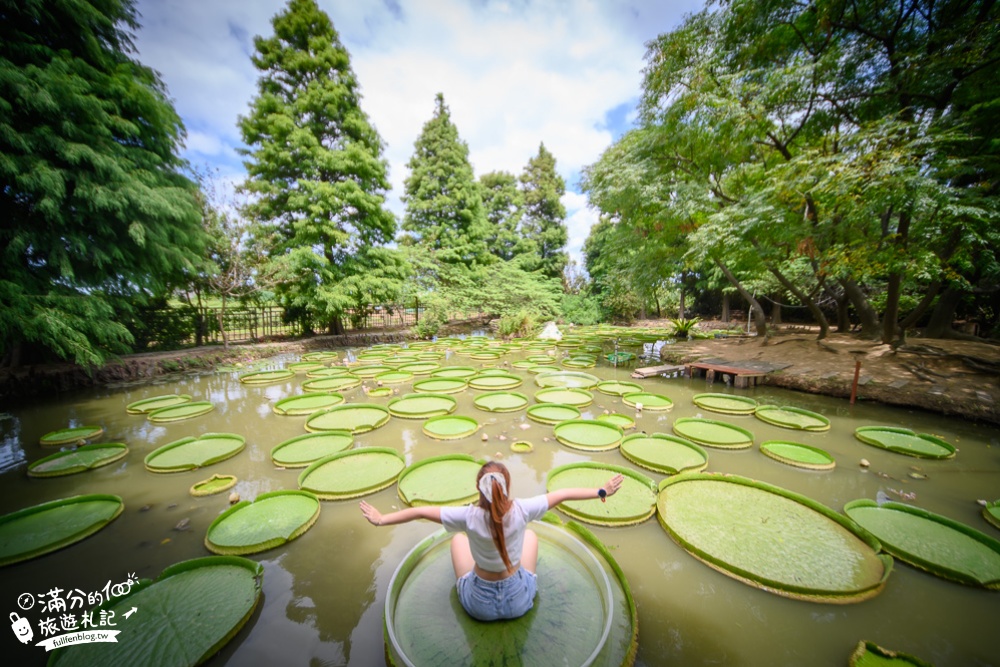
450 427
905 441
440 480
306 404
78 460
664 453
422 406
789 417
212 485
273 519
713 433
351 474
155 402
178 412
355 418
634 502
726 403
194 452
588 434
302 450
65 436
797 454
38 530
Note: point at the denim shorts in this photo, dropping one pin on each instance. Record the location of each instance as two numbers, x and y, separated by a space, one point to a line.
493 600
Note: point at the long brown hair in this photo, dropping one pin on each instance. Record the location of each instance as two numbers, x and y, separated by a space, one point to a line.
496 506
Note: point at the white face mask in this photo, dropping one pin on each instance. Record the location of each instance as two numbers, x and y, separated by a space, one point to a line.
486 484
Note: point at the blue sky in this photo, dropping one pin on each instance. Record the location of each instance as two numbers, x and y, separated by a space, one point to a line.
514 73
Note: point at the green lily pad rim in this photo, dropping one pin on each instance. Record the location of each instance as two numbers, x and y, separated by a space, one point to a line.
366 371
278 407
436 412
451 436
416 465
255 568
420 367
788 590
602 387
340 432
459 385
159 416
380 392
394 376
740 429
328 372
197 489
319 355
72 470
761 413
136 407
922 563
444 372
191 438
477 401
266 377
532 412
861 434
304 366
766 449
864 648
522 447
67 541
655 467
364 428
355 493
267 544
73 434
595 465
542 377
633 399
706 402
540 395
589 422
616 417
350 382
513 381
990 517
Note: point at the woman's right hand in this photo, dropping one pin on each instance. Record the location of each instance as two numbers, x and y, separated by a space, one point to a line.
373 515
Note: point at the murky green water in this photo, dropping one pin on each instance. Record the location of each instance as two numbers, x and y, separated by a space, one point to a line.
324 593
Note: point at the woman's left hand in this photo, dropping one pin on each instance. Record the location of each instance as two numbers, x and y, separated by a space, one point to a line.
373 515
613 484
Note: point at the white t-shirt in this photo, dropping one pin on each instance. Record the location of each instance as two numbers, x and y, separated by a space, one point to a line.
475 522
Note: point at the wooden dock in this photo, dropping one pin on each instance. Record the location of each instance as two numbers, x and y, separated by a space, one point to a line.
650 371
741 377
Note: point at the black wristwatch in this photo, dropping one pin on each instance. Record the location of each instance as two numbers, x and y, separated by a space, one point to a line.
601 493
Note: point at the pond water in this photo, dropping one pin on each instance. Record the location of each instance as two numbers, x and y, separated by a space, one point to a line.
324 593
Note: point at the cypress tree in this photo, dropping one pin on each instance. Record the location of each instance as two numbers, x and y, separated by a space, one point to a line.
544 215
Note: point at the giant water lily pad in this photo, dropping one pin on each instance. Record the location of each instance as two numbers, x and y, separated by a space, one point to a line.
304 366
394 377
552 413
322 356
991 512
618 388
178 412
500 401
356 418
194 452
664 453
271 520
155 402
212 485
65 436
420 367
931 542
790 417
267 377
905 441
308 403
798 455
726 403
422 406
647 401
560 378
772 538
426 625
370 371
713 433
461 372
351 474
450 427
302 450
565 396
634 502
495 381
78 460
617 419
870 654
441 385
332 384
330 372
440 480
38 530
588 434
181 620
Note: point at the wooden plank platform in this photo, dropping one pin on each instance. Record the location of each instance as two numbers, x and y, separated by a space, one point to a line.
742 377
650 371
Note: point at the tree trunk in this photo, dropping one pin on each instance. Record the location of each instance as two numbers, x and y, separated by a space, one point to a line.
814 310
335 326
680 306
222 324
843 313
725 307
944 313
870 328
918 312
775 314
760 323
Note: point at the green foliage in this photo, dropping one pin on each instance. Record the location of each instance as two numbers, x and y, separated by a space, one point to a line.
444 208
316 172
583 309
544 222
523 323
96 209
503 203
683 327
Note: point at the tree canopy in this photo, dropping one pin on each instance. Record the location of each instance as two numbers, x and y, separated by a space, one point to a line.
98 214
544 221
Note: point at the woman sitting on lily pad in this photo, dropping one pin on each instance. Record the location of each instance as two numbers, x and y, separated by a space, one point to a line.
494 553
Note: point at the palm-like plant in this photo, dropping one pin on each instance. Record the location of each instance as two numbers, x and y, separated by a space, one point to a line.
683 327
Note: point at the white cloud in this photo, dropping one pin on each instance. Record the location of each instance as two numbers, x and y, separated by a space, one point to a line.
513 74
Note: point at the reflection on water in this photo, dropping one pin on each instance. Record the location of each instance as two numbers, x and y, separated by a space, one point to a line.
324 593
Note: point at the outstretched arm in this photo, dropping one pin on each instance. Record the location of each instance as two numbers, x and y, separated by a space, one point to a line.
376 518
610 488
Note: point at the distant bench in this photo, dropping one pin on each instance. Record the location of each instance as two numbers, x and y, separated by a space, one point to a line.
742 377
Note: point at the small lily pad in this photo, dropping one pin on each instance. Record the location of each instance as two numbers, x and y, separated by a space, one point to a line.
713 433
552 413
302 450
521 447
356 418
178 412
798 455
306 404
869 654
212 485
588 434
460 372
664 453
440 385
331 384
500 401
78 460
561 378
194 452
495 381
729 404
65 436
905 441
422 406
450 427
267 377
578 398
618 388
624 421
791 417
648 401
154 402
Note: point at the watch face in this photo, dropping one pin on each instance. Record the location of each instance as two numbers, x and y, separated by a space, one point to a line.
25 601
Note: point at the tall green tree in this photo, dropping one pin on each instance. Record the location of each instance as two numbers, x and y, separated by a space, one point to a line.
316 171
544 221
503 203
444 208
97 214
